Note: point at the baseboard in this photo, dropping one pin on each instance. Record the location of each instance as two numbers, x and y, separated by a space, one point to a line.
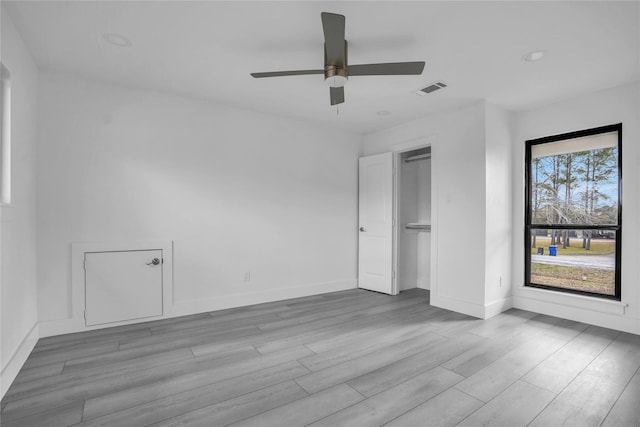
185 308
496 307
460 306
423 284
10 371
476 310
615 321
49 328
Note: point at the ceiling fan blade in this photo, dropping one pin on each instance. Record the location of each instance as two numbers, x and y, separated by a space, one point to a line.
334 45
286 73
337 95
388 69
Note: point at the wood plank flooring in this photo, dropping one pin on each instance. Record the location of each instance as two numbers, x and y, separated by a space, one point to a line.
351 358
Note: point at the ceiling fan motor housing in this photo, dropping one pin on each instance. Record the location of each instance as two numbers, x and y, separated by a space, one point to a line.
335 75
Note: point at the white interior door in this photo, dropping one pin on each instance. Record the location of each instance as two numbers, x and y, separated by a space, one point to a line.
122 285
375 243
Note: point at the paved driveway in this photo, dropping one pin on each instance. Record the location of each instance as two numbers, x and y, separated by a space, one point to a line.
601 262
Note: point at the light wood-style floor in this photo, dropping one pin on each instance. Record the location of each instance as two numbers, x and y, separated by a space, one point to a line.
341 359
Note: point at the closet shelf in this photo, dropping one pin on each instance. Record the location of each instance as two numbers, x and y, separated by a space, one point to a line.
418 226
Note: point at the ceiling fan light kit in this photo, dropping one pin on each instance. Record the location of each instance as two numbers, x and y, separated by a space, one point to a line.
335 77
336 69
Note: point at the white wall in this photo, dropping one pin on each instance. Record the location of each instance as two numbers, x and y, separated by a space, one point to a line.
236 191
458 201
18 293
617 105
498 250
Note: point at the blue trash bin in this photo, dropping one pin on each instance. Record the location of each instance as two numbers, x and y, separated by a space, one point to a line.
553 250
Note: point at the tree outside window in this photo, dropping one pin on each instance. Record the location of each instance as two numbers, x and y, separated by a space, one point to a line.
573 215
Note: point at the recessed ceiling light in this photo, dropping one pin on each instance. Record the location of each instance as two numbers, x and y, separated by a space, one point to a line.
116 39
383 113
536 55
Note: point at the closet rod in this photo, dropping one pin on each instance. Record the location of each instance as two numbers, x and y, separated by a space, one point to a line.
418 157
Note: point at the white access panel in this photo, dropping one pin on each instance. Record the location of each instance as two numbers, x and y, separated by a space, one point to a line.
122 285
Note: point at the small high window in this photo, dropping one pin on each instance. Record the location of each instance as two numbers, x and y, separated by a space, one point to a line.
573 214
5 137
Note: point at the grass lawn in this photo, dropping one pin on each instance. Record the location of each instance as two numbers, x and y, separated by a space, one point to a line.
598 247
584 279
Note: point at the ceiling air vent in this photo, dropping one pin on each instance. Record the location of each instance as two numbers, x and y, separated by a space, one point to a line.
432 88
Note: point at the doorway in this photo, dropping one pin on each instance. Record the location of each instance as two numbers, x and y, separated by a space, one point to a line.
395 218
413 225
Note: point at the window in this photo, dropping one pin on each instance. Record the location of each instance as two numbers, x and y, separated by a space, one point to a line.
573 212
5 137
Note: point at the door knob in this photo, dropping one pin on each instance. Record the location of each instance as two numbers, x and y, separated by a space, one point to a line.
154 261
362 229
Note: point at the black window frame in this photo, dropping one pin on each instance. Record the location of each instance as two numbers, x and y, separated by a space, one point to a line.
529 226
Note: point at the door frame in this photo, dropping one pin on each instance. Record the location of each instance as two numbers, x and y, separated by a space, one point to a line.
76 321
398 150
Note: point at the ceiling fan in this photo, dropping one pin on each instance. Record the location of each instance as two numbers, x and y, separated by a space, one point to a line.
336 68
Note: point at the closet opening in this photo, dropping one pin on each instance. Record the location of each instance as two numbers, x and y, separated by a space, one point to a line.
413 219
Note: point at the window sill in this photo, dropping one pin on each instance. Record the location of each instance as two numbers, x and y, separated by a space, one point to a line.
605 306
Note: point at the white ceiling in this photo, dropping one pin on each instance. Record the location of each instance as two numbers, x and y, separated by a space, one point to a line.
207 50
